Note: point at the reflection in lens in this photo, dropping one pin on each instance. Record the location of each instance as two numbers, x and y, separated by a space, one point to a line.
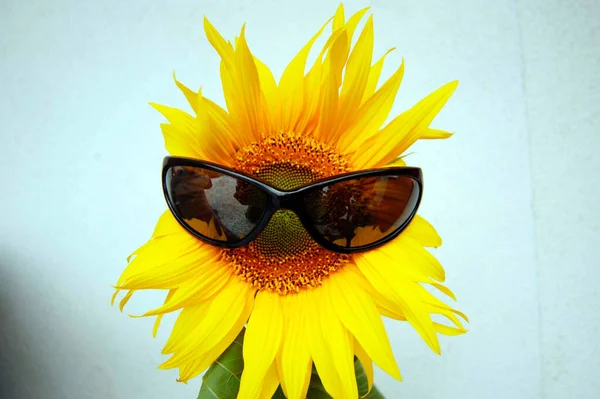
215 205
358 212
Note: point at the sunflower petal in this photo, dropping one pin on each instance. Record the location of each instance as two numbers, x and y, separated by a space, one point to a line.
338 18
271 93
423 232
165 263
359 65
328 108
208 282
125 299
429 134
442 288
254 110
374 74
359 315
291 88
167 225
160 316
208 331
366 363
386 279
261 344
339 343
337 59
319 347
223 48
295 359
270 383
201 361
182 136
190 95
355 78
403 131
371 115
446 330
185 322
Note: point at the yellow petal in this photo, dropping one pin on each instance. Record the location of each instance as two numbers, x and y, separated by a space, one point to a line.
186 321
338 19
182 136
218 320
336 58
125 299
295 359
328 108
367 365
411 259
359 63
395 163
423 232
386 279
331 345
271 93
312 94
371 115
232 95
291 87
324 71
223 48
207 282
359 315
261 343
444 290
319 347
403 131
374 74
167 225
190 95
254 110
219 140
340 343
166 262
355 78
270 383
160 316
429 134
201 361
446 330
178 144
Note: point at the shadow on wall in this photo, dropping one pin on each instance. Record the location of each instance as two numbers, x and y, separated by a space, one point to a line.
23 370
44 343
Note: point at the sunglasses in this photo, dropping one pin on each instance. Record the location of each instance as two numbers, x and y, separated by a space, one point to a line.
347 213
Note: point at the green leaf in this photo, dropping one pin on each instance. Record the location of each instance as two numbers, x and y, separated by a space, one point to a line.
222 380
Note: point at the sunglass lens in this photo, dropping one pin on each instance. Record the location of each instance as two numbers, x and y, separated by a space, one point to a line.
358 212
215 205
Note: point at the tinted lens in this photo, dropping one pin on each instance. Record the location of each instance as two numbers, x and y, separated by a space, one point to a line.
215 205
358 212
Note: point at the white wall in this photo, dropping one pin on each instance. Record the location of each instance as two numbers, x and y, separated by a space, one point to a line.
561 48
513 193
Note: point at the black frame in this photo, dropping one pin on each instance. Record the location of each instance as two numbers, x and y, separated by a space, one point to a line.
292 200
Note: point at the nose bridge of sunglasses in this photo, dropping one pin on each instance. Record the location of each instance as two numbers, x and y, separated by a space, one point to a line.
286 200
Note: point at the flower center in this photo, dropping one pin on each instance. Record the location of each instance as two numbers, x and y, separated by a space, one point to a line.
284 258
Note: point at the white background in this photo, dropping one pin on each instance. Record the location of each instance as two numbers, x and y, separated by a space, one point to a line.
513 193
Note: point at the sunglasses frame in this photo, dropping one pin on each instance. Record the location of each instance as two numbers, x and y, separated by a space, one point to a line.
292 200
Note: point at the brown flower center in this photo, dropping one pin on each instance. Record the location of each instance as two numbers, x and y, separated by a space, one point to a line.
284 258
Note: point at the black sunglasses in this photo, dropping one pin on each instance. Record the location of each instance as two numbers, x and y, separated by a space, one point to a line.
347 213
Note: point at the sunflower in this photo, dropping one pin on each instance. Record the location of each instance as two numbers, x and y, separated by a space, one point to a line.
301 304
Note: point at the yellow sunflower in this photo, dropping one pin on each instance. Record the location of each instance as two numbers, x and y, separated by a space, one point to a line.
302 304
